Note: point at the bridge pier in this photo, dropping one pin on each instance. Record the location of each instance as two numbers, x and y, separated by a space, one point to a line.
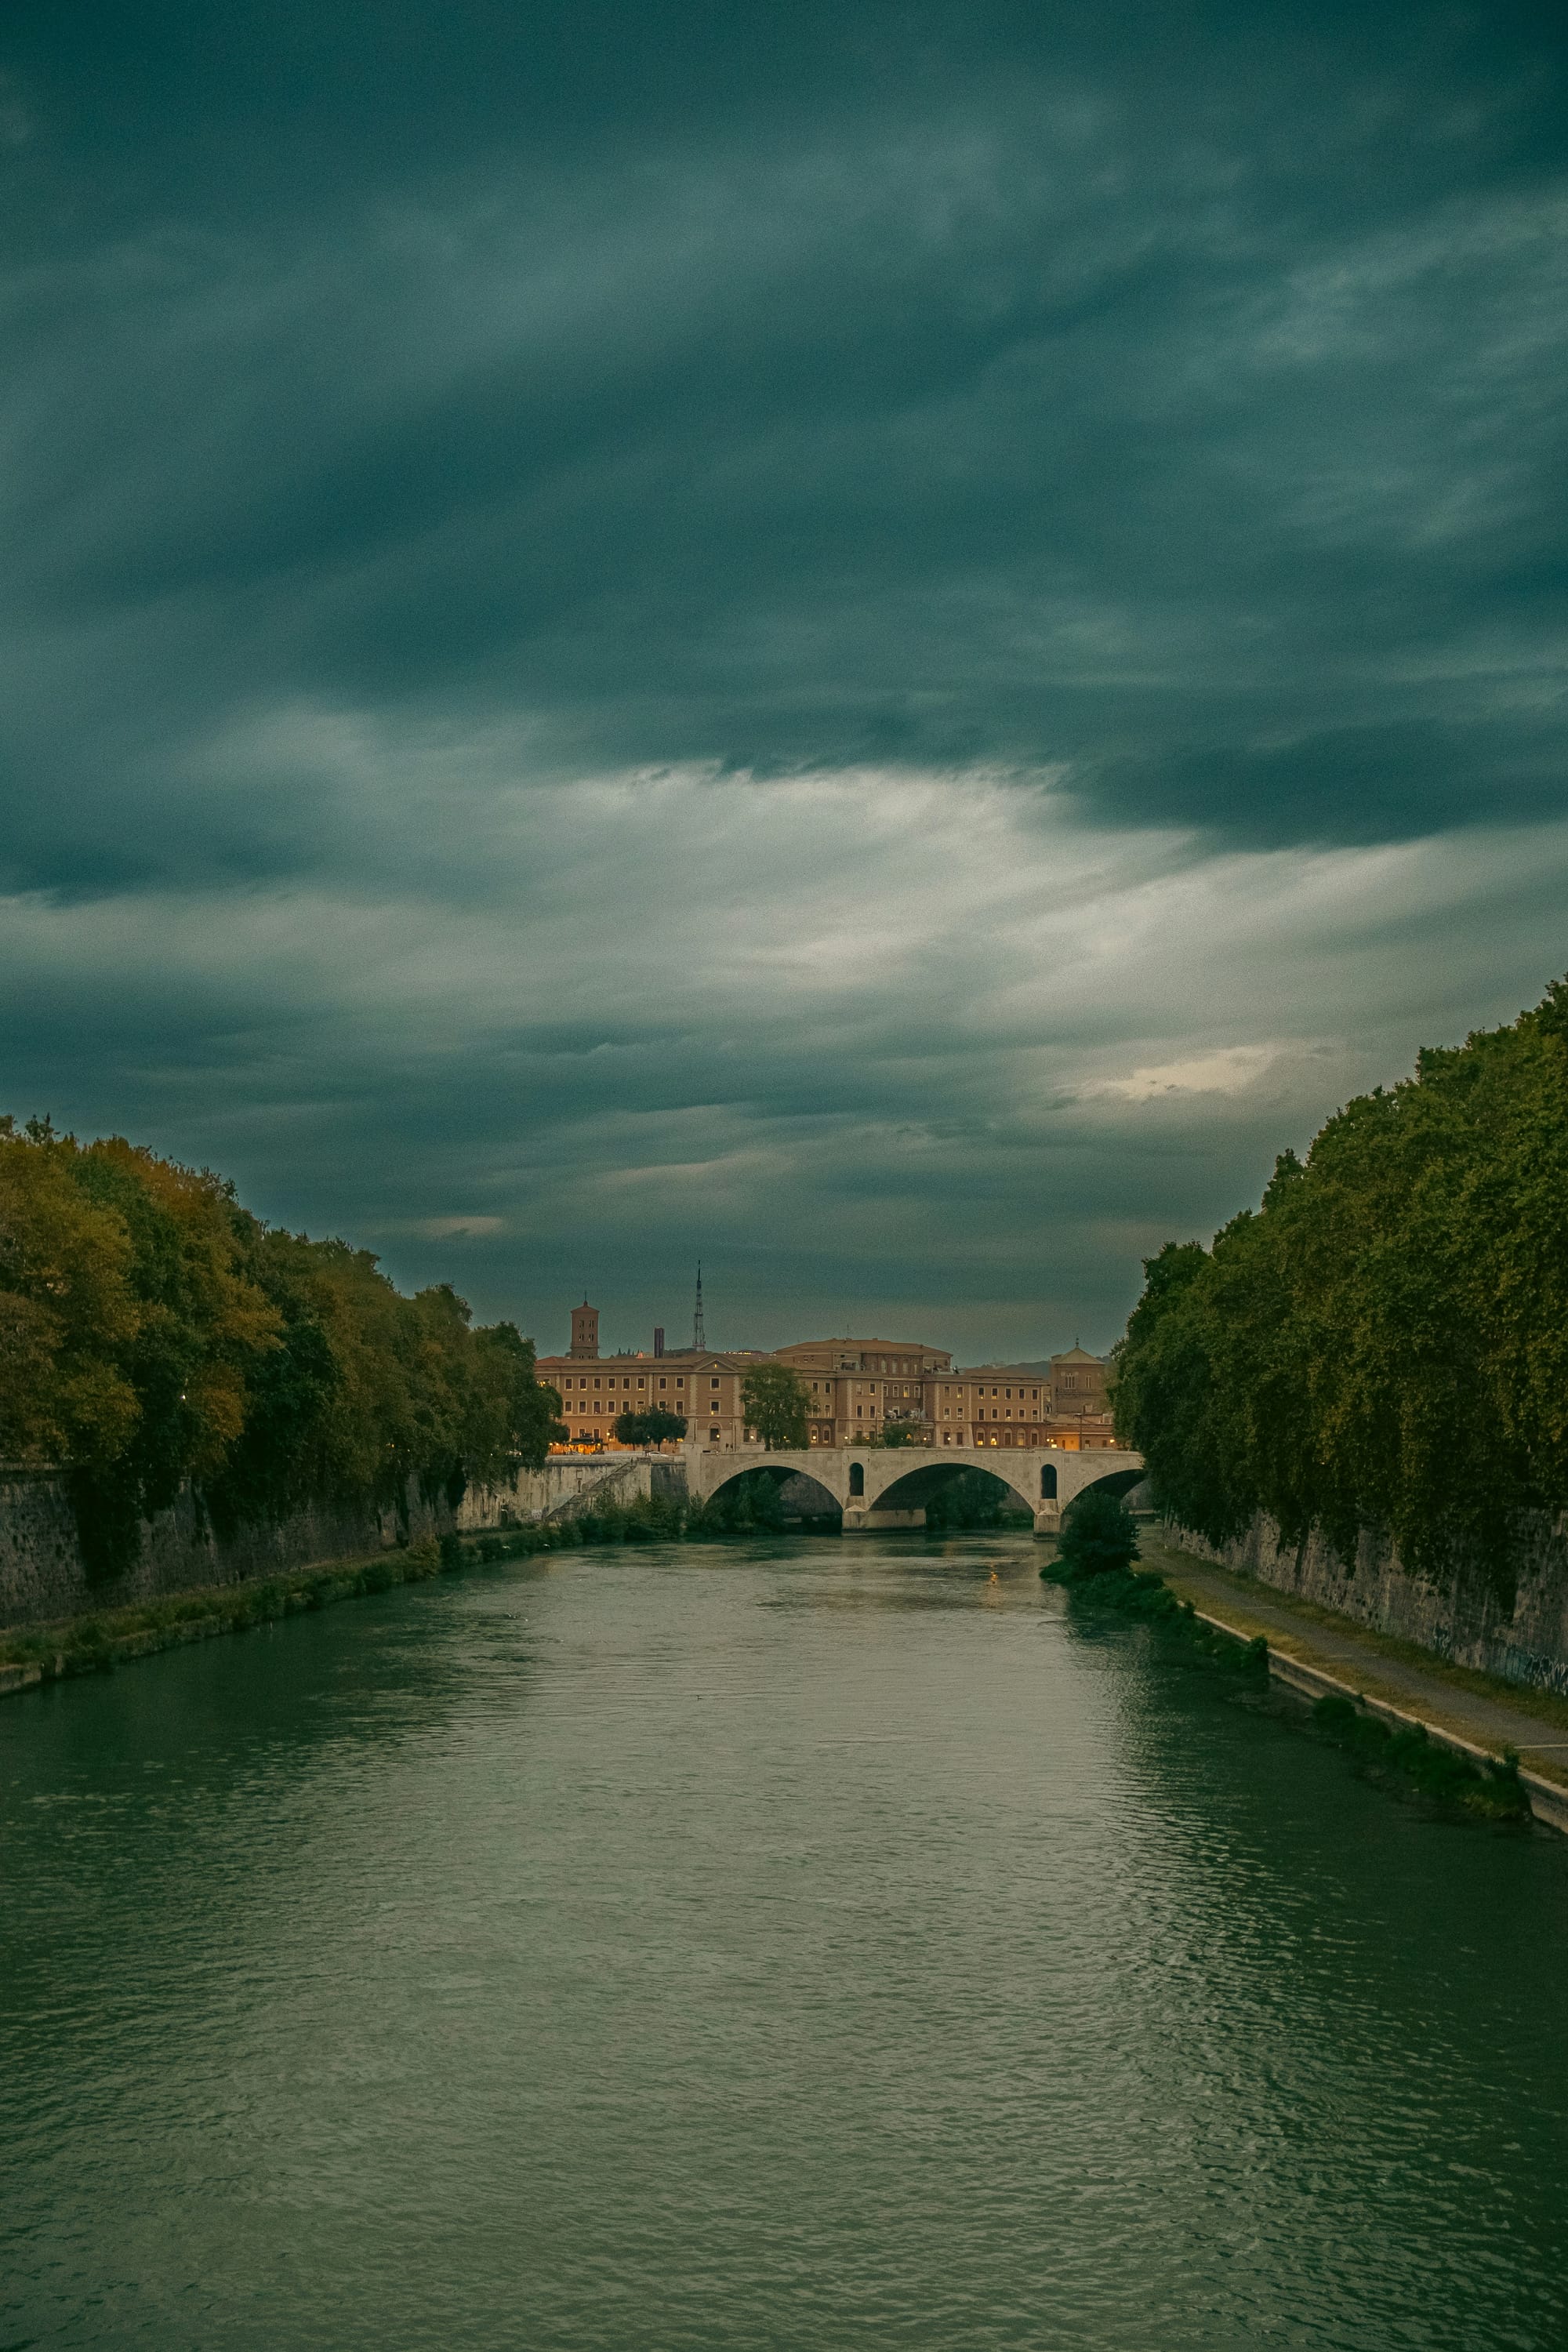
1048 1520
875 1522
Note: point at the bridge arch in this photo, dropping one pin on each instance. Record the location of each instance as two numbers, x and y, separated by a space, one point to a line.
1115 1482
915 1488
814 1501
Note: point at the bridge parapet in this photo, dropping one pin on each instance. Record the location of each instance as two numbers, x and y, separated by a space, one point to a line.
881 1487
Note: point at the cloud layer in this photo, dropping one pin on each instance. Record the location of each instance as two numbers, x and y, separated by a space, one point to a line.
887 651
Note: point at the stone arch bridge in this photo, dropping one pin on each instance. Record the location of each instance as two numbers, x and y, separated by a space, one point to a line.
890 1486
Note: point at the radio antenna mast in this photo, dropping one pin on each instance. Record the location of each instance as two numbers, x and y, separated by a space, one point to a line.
698 1341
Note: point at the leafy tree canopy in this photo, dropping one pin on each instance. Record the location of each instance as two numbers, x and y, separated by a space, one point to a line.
1099 1536
1383 1344
153 1332
776 1405
649 1425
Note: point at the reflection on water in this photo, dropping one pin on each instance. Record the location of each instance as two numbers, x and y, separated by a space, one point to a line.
800 1944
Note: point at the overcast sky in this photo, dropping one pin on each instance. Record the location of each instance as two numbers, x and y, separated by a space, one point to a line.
883 644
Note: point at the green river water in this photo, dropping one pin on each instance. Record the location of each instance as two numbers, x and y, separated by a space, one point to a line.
803 1943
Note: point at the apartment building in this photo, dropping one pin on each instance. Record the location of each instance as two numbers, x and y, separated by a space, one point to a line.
855 1386
856 1389
702 1385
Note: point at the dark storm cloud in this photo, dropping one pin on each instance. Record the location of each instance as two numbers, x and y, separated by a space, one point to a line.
1191 419
462 461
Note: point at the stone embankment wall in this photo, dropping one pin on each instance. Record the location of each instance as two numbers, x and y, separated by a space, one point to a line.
1514 1624
569 1484
42 1576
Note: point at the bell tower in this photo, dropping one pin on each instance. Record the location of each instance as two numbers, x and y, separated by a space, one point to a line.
584 1331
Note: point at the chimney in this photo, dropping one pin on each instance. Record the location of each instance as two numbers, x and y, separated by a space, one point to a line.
658 1339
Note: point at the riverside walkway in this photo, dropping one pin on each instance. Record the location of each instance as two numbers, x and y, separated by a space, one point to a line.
1468 1706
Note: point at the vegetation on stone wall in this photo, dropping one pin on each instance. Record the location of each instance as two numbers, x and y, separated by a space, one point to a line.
1384 1344
1405 1756
153 1332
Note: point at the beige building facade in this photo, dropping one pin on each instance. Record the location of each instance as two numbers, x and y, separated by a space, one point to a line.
856 1390
703 1386
855 1387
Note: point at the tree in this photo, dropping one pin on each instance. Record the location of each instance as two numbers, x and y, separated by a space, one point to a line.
649 1425
894 1433
1381 1346
69 1311
776 1405
154 1336
1099 1536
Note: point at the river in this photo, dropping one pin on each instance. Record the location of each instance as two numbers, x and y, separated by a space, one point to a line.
803 1943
